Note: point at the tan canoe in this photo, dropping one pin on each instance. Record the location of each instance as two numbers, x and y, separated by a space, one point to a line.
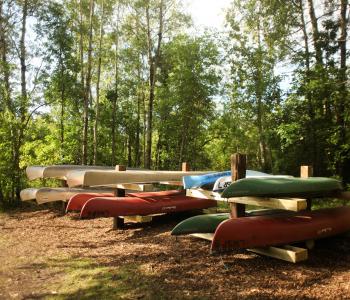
100 178
59 171
44 195
28 194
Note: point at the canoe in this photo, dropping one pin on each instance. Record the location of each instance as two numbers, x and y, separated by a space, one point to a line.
224 182
76 202
210 178
264 231
100 178
58 171
200 224
157 202
28 194
208 223
283 187
45 195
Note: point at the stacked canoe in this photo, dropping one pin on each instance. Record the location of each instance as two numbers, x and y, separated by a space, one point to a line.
59 172
91 190
267 227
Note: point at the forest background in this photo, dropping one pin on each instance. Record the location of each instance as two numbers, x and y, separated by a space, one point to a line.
132 82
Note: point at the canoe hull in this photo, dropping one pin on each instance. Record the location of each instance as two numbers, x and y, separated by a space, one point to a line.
76 202
45 195
58 171
208 223
100 178
283 187
219 180
263 231
153 204
28 194
224 182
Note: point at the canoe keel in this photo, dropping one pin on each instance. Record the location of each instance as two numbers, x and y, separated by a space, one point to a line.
264 231
154 203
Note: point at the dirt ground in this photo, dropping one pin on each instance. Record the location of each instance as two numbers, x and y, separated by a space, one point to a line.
47 255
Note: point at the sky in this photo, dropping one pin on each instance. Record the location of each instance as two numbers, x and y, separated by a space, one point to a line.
207 13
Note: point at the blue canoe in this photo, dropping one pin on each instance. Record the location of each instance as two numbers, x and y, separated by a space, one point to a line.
196 181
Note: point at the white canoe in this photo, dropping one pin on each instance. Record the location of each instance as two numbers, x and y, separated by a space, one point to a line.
100 178
59 171
28 194
45 195
225 181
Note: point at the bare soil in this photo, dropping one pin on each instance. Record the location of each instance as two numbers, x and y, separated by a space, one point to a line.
47 255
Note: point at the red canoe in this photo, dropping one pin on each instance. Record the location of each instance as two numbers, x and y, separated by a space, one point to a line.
263 231
150 203
77 201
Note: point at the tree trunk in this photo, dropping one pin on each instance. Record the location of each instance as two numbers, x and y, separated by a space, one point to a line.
137 139
116 90
342 110
315 33
182 146
82 73
62 113
113 127
4 62
312 132
343 68
153 61
24 99
144 130
260 106
97 107
129 150
87 89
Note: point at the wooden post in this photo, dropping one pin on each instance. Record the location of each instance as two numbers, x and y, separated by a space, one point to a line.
120 168
238 170
305 172
64 203
118 222
185 167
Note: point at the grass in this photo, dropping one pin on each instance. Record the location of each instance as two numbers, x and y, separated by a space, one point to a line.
85 279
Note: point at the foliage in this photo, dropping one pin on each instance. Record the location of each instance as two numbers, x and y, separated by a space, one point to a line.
273 86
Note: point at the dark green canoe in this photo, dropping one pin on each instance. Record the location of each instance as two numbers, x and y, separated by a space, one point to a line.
283 187
208 223
200 224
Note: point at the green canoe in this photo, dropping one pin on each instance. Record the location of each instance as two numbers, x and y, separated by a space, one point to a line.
208 223
283 187
200 224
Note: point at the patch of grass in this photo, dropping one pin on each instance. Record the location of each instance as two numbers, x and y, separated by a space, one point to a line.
85 279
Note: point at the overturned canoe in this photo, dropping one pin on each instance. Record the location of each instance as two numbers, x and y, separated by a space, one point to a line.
28 194
200 224
154 203
100 178
208 223
218 178
44 195
283 187
224 182
263 231
58 171
76 202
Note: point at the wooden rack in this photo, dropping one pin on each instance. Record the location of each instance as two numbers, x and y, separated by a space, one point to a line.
238 204
118 222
